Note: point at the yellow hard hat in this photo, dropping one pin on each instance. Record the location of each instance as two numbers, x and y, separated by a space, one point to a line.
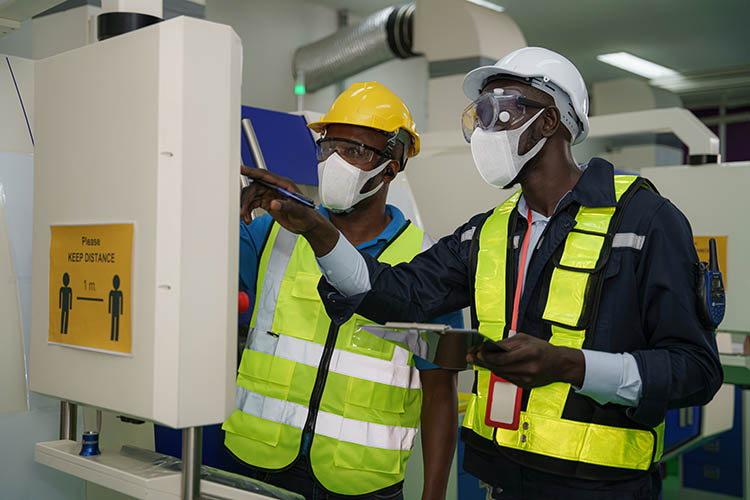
371 104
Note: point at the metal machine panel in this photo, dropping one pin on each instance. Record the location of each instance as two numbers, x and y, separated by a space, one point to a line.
142 129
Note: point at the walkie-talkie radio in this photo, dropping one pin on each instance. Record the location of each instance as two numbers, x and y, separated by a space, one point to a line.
710 289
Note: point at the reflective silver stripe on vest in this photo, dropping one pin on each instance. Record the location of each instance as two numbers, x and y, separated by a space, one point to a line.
327 424
395 372
628 240
468 234
365 433
275 410
281 254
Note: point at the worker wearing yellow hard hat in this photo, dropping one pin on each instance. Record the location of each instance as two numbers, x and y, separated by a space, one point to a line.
324 408
372 105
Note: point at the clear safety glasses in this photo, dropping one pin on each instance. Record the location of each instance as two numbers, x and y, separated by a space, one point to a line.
354 152
496 110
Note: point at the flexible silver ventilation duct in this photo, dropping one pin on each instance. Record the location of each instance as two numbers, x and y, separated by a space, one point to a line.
384 35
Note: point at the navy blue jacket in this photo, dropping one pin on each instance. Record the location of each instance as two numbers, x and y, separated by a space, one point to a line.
648 302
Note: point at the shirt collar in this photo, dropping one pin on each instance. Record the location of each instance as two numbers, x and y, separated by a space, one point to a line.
523 210
397 222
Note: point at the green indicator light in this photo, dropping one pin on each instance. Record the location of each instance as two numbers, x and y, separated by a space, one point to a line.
299 89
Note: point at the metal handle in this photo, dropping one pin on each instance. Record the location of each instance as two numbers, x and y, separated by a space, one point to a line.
252 142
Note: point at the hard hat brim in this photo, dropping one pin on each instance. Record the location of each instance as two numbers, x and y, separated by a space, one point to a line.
474 79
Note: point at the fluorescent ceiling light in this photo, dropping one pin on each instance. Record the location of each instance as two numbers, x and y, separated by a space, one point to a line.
488 4
634 64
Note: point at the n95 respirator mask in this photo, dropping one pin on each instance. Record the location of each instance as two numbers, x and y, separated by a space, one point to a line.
496 153
340 183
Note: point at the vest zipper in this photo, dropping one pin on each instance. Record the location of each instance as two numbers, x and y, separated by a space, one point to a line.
317 393
325 361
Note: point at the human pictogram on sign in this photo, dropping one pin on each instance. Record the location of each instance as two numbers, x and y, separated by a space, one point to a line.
115 308
65 303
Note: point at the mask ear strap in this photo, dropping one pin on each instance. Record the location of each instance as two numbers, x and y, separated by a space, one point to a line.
372 173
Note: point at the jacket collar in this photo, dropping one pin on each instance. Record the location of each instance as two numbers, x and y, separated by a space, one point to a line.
595 188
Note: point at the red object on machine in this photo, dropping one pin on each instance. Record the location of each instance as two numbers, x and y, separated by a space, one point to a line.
244 302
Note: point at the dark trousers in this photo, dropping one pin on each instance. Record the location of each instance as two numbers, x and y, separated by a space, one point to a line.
511 481
299 479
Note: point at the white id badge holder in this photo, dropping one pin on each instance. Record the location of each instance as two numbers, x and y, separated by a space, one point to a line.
503 404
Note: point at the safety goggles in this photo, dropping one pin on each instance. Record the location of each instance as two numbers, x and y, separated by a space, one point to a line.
353 152
497 110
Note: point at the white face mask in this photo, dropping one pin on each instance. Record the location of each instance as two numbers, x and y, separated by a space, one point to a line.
496 153
340 183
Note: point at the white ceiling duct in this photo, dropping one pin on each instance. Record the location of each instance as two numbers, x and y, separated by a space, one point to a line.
385 35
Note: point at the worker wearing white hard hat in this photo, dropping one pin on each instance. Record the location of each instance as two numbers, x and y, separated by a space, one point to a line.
583 280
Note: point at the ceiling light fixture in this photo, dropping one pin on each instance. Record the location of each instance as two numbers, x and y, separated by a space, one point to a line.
635 64
488 4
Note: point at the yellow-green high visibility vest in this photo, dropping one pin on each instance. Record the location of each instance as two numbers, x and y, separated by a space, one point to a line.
357 397
545 439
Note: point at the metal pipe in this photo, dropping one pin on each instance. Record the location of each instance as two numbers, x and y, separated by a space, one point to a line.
723 128
252 141
380 37
342 21
192 453
260 162
728 119
68 420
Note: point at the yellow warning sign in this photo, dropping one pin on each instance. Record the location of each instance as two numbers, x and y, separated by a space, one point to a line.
89 286
701 246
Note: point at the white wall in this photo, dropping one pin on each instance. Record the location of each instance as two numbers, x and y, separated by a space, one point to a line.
14 134
270 33
271 30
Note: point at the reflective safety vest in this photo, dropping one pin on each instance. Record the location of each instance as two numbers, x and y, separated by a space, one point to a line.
560 431
348 398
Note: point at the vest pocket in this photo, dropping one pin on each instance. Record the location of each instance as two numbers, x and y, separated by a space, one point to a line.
366 395
355 339
254 428
266 374
299 307
358 457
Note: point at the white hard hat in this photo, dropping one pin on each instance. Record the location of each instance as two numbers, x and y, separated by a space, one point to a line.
547 71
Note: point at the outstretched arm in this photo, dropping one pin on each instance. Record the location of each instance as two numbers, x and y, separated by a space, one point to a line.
295 217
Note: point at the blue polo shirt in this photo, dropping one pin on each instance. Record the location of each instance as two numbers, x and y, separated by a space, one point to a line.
253 236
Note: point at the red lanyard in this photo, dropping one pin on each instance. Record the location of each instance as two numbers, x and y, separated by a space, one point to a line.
519 283
503 398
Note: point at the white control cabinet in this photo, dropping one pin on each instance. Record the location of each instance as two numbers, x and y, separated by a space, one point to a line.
144 128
